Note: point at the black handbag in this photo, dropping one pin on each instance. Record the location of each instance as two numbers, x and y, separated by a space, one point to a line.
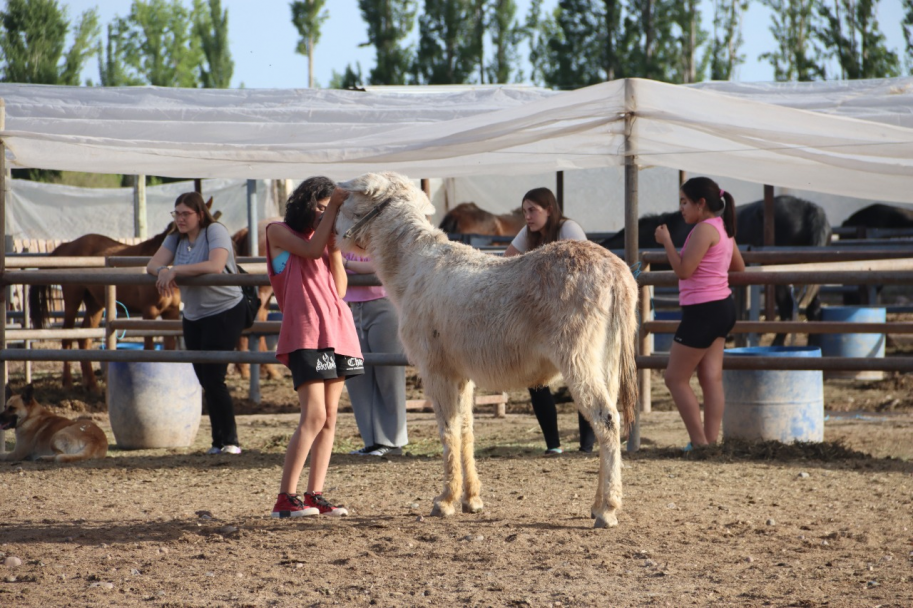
251 297
250 294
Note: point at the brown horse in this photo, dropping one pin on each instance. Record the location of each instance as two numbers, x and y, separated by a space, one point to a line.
139 299
242 248
468 218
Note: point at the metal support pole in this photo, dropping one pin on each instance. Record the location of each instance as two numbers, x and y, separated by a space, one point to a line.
770 305
139 207
198 186
254 244
4 184
559 190
631 244
110 316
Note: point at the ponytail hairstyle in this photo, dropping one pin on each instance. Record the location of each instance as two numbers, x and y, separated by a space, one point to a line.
544 198
194 201
717 200
301 208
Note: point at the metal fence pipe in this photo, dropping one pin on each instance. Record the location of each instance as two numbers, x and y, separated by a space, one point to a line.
171 356
802 327
818 277
888 364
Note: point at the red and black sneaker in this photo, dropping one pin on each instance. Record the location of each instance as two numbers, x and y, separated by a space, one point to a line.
291 505
317 501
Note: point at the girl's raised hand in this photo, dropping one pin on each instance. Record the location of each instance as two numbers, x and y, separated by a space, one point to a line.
338 197
662 234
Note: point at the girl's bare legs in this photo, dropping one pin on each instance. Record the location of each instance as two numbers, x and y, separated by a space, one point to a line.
682 362
311 398
323 443
710 376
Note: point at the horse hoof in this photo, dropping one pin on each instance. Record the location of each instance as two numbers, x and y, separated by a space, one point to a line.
439 511
473 506
609 521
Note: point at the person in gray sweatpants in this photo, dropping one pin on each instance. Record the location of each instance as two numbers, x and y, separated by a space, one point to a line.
379 396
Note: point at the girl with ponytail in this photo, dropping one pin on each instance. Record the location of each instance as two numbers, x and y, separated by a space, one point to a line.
708 311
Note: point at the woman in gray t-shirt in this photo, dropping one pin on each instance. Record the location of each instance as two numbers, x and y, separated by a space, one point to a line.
213 315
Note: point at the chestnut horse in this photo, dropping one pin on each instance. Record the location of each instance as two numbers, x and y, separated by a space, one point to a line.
468 218
141 299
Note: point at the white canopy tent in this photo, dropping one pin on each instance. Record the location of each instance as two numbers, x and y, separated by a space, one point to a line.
848 138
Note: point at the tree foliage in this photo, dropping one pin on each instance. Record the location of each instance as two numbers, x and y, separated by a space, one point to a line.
389 23
797 56
850 34
723 51
506 36
33 39
308 17
449 48
907 25
210 25
158 45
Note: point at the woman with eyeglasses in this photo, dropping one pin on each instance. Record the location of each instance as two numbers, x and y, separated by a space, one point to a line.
213 315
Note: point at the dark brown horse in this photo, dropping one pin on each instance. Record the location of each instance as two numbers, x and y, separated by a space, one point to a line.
138 299
242 248
468 218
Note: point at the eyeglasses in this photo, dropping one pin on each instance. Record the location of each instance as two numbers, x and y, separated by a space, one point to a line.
183 215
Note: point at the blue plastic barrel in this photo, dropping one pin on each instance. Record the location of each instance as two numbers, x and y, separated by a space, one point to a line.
662 342
153 405
764 405
853 345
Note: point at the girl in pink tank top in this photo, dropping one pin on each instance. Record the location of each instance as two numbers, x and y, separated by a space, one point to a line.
708 312
317 339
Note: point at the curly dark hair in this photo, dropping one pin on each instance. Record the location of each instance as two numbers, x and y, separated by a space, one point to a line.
300 210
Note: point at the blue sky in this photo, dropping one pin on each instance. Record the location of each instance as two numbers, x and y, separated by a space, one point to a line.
263 39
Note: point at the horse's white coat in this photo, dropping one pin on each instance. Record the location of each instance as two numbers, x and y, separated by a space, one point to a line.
468 318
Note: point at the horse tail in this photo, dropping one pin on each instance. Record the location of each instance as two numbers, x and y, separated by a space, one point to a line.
38 305
819 227
622 329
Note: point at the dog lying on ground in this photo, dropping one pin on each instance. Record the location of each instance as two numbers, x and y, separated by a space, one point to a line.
41 435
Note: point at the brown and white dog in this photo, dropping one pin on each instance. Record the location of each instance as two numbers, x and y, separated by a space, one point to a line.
41 435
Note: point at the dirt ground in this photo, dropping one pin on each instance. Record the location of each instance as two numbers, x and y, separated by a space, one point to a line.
735 525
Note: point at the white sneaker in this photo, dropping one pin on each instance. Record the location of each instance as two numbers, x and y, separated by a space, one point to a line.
231 449
213 450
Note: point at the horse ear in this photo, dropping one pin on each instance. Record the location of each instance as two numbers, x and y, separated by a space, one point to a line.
27 393
427 207
209 203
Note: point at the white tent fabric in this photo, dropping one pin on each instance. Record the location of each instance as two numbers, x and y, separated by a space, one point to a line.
848 140
52 211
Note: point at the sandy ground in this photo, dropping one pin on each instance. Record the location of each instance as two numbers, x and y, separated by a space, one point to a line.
737 525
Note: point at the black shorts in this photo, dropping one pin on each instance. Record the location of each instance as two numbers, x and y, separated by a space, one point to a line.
310 365
703 323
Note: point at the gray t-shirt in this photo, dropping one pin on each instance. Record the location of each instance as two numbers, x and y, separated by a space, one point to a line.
569 231
204 301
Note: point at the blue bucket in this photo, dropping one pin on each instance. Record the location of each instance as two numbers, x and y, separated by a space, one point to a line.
662 342
853 345
763 405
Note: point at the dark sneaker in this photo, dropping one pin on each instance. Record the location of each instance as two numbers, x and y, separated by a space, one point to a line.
385 450
365 451
291 505
322 505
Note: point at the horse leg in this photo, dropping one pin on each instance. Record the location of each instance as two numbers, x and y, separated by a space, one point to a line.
445 397
72 298
785 306
472 502
171 313
93 320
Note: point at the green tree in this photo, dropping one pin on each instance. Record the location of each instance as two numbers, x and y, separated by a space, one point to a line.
112 70
851 35
389 23
723 52
907 25
33 38
449 48
159 45
350 79
571 44
506 35
685 64
793 27
210 25
308 17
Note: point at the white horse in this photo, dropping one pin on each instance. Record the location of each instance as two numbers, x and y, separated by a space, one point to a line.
503 323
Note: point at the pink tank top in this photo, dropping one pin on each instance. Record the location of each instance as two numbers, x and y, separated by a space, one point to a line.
313 314
362 293
710 281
